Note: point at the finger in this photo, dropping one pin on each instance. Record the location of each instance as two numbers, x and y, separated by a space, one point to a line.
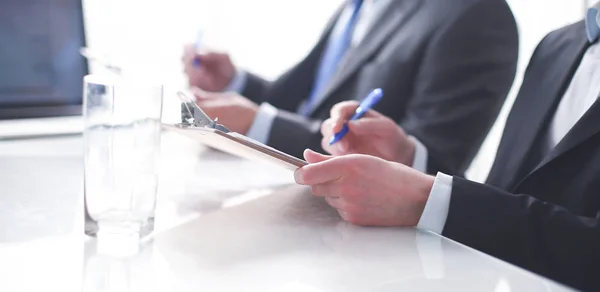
192 57
340 148
314 174
203 58
211 58
338 124
371 126
327 127
344 109
205 95
214 107
314 157
318 173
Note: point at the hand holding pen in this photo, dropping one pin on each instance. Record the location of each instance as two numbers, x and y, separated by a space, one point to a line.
355 128
373 98
209 71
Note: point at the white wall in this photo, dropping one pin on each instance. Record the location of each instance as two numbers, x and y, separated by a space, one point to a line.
147 37
265 36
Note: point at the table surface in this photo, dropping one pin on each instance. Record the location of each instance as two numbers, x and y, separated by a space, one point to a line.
222 224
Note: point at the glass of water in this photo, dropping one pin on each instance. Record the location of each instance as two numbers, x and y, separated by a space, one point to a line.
122 147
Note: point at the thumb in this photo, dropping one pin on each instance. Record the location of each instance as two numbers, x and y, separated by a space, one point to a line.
314 157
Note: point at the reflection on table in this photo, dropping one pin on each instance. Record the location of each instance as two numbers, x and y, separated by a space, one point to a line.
222 225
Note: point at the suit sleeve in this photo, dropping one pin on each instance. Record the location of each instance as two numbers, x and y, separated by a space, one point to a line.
292 133
466 73
255 88
539 236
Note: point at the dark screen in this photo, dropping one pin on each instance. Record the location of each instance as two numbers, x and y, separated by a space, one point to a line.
40 62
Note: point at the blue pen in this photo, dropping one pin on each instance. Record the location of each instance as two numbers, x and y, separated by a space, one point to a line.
373 98
197 45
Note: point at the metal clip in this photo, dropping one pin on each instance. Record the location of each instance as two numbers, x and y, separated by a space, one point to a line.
193 116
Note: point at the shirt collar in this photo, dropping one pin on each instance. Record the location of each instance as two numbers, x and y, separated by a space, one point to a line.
366 1
592 23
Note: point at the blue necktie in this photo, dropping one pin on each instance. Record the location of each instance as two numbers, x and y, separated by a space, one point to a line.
338 44
592 25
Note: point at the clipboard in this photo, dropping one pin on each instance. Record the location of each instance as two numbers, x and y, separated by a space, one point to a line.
199 127
238 145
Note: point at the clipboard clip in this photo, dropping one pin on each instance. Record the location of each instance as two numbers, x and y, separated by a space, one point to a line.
193 116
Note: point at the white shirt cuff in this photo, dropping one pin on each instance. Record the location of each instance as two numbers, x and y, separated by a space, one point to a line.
261 126
420 160
436 209
238 83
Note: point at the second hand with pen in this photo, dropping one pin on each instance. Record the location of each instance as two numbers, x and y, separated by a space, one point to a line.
372 99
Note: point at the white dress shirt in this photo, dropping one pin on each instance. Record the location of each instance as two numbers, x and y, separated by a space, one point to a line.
579 97
369 13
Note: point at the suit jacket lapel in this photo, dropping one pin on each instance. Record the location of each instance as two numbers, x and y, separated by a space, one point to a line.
532 132
378 34
538 97
586 127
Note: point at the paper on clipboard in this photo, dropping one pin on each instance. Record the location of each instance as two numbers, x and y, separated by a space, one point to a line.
238 145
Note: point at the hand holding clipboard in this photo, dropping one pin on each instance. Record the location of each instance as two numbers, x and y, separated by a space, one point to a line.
196 124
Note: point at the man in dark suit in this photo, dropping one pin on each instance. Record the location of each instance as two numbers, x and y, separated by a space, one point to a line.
540 207
445 68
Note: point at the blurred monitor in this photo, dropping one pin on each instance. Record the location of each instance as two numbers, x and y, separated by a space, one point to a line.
41 70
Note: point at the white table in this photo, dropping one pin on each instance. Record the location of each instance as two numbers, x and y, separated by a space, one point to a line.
222 225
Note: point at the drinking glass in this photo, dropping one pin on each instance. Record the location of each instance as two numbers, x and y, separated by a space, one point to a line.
122 147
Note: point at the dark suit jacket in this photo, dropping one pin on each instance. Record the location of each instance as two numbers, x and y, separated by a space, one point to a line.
445 68
539 211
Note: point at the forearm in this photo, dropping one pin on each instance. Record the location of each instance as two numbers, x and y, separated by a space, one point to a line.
292 134
255 88
542 237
